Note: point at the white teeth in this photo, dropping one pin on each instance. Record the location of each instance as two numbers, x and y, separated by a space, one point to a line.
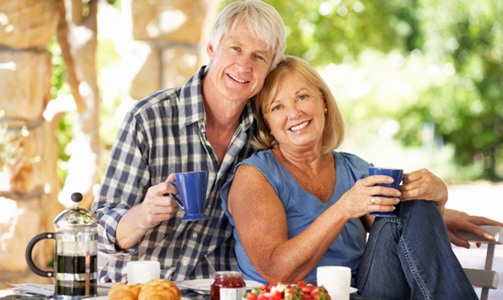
238 80
300 126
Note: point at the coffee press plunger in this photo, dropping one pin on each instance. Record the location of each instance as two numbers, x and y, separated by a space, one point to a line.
75 262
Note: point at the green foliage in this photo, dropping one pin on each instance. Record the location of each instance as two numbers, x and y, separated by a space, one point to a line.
107 58
58 83
59 86
427 64
468 111
106 53
452 48
10 144
324 31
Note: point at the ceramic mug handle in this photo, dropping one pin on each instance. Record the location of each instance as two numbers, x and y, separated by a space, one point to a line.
175 197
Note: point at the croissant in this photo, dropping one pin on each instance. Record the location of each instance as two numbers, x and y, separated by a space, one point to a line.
122 291
156 289
160 289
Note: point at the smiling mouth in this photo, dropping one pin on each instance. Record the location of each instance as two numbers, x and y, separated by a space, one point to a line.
237 79
300 126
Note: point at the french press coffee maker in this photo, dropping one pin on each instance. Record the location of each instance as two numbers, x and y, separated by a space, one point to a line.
75 262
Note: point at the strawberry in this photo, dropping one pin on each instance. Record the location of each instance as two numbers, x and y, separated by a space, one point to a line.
280 291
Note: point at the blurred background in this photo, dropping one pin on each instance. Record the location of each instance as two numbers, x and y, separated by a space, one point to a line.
420 84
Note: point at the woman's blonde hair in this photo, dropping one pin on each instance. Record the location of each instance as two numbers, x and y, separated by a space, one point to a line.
333 132
259 17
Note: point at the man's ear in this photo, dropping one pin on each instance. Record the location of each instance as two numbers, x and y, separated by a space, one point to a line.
210 51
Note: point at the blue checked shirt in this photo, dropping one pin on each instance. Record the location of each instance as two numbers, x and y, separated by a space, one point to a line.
162 134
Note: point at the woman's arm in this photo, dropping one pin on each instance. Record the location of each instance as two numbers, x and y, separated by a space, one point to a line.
261 223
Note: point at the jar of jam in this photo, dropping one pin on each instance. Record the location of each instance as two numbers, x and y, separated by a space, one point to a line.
228 285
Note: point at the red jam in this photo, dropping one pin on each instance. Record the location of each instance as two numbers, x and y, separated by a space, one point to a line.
228 280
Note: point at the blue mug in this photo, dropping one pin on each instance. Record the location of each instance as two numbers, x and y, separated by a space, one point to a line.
397 175
192 194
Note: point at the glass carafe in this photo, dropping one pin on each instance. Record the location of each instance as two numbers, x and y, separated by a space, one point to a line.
75 262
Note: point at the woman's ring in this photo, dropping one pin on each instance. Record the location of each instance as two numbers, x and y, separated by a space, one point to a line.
372 200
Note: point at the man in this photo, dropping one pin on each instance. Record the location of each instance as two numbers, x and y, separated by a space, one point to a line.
203 125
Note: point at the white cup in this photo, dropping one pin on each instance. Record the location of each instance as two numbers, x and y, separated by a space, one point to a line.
142 271
336 279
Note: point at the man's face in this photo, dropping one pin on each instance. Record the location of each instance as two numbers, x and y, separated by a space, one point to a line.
239 65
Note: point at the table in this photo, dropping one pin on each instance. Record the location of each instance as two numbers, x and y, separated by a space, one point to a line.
193 295
9 293
103 291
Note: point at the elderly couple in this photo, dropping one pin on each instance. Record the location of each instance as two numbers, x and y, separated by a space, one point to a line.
280 200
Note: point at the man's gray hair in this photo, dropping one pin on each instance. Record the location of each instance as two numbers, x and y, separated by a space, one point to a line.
260 17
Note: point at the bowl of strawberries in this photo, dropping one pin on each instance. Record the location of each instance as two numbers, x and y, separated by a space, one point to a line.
281 291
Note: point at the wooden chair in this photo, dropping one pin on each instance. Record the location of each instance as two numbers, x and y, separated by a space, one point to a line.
485 278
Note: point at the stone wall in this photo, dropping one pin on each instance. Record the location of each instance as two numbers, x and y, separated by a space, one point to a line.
29 185
175 32
167 47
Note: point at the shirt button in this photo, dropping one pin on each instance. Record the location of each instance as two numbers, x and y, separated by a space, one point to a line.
194 235
185 261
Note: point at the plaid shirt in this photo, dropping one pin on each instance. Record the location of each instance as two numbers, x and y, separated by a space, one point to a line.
162 134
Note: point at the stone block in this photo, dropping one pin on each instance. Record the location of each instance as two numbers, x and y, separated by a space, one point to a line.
25 84
28 23
156 69
169 20
21 222
144 65
179 63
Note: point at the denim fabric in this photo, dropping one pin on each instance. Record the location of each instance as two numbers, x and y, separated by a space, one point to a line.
412 257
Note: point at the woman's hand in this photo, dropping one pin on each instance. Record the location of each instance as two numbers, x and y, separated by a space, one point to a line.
366 197
424 185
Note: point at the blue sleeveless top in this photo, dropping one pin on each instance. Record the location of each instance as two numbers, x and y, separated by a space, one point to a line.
303 208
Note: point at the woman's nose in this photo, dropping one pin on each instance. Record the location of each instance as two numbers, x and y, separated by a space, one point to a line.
293 112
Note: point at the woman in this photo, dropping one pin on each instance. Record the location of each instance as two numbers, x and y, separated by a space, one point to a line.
299 204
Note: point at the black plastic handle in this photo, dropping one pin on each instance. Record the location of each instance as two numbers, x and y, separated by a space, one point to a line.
29 249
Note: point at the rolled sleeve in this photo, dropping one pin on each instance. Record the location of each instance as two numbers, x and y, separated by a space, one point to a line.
107 233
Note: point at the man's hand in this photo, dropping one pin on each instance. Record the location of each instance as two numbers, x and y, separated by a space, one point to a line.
461 221
157 207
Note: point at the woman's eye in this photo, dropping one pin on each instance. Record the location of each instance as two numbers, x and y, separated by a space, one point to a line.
303 97
275 108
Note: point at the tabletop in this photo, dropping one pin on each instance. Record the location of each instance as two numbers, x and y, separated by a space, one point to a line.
8 293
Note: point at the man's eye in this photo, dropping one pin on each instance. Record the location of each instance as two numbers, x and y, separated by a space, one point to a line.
259 57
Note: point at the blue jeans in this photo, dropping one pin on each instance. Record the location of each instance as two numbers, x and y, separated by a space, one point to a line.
411 257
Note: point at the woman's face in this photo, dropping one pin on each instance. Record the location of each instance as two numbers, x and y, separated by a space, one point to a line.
296 116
